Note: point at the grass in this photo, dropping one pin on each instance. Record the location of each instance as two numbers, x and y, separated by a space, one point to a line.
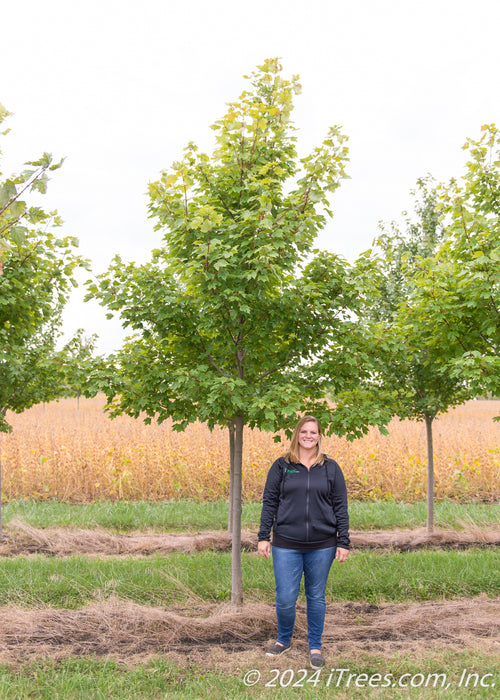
191 516
388 515
123 516
97 679
185 580
71 582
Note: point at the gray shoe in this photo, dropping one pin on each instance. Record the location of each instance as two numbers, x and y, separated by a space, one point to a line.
317 660
277 649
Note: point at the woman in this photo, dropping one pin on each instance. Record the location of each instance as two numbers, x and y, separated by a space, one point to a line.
305 505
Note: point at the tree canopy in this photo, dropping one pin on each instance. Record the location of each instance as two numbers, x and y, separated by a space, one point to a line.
235 308
459 294
37 270
408 374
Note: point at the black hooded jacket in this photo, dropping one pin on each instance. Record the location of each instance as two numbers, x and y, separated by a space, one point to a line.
305 507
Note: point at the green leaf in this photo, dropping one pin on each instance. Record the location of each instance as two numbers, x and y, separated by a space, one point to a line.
7 193
18 234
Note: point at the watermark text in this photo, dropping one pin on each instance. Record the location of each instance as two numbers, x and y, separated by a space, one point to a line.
345 678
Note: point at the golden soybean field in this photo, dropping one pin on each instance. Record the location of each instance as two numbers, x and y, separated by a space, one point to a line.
76 453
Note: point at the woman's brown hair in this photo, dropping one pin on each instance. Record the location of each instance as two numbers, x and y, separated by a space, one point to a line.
292 455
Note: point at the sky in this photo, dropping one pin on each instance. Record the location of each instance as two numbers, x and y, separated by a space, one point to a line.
118 88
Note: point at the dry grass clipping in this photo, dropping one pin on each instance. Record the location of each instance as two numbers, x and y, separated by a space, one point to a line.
210 634
22 538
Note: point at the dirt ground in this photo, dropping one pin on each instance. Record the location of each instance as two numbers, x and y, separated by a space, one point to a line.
225 638
21 539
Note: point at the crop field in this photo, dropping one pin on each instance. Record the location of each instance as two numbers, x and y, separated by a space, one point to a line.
115 566
65 452
76 453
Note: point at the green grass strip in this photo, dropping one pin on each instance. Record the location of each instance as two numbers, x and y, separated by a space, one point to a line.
206 576
190 516
431 676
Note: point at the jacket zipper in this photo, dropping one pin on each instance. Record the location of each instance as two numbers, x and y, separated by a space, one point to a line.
307 505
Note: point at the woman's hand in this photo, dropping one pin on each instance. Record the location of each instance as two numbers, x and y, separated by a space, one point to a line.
341 554
264 548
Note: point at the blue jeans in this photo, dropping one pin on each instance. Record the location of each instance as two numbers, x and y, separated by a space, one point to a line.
288 565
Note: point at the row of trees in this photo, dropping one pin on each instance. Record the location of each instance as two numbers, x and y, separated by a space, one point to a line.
237 320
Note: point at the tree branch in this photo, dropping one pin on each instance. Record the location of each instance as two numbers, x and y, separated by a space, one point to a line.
28 184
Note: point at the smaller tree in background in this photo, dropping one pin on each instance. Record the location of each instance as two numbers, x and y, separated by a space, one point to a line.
79 366
407 374
458 296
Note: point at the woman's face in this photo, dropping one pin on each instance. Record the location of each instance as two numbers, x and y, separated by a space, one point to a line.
309 435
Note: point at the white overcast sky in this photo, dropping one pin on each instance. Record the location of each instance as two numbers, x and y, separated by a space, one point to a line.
118 88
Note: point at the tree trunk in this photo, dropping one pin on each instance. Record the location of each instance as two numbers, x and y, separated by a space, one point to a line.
430 474
231 478
236 578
